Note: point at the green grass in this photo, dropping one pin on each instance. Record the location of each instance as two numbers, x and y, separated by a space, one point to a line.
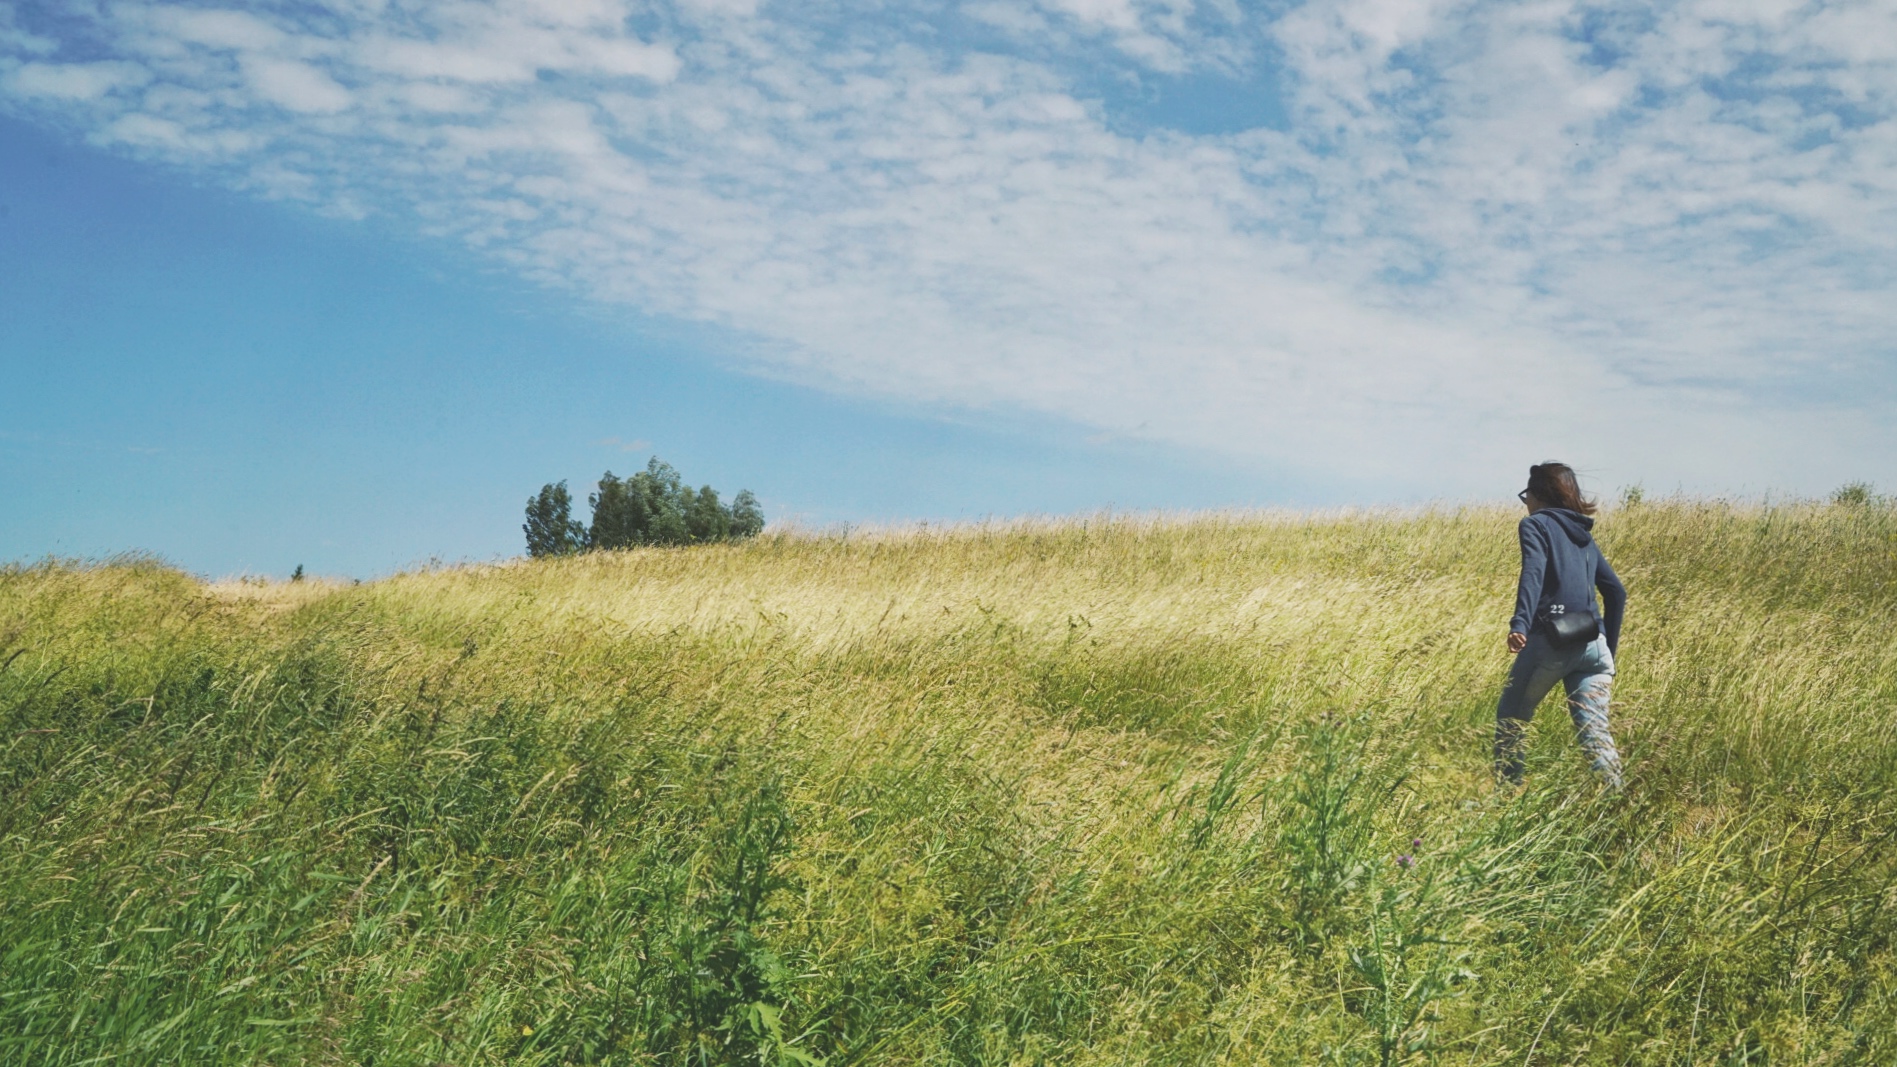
1110 791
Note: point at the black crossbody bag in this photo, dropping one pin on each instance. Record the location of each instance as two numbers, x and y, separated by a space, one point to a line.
1570 629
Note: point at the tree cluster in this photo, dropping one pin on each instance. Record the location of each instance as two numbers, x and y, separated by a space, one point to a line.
652 507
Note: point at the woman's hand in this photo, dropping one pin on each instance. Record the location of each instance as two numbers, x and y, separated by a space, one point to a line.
1517 642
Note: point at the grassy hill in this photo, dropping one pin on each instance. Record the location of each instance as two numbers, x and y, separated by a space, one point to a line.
1115 791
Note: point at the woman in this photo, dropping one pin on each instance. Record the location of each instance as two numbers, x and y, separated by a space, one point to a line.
1557 632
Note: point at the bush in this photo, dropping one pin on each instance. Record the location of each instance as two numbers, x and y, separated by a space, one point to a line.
1853 495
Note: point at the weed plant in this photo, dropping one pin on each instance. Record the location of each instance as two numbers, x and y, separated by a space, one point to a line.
1205 791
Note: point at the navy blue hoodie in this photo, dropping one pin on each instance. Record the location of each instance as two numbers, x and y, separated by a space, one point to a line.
1562 564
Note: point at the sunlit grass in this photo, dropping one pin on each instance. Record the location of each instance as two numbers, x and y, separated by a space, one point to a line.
1115 790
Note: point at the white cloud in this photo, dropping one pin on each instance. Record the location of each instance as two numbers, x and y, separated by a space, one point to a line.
296 86
73 81
1655 236
217 28
721 8
15 41
426 59
1019 21
146 131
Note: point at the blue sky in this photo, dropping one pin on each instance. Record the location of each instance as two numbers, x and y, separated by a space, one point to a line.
242 388
341 283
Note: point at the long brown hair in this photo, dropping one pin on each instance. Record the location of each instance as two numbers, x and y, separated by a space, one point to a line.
1554 484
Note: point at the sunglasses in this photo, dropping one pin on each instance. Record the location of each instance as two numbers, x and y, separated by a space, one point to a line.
1522 496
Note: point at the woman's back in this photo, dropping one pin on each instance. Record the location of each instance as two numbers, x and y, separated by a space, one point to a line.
1557 634
1562 565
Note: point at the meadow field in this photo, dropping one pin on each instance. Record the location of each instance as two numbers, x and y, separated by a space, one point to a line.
1204 790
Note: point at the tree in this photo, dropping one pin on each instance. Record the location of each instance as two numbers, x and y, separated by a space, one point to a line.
550 528
664 492
705 518
652 507
622 516
747 518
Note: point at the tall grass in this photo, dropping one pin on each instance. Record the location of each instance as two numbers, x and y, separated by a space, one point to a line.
1213 790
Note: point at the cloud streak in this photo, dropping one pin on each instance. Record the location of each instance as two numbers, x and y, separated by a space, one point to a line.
1653 237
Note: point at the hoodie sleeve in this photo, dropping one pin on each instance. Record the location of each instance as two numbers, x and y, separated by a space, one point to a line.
1613 603
1534 569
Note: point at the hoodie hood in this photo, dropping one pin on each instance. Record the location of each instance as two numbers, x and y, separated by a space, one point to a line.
1572 523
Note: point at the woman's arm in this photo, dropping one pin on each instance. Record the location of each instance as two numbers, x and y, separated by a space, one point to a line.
1613 603
1528 586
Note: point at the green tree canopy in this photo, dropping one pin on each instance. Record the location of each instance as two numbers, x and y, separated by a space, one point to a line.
651 507
747 517
550 528
621 514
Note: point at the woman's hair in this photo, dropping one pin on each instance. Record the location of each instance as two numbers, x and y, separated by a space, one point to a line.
1554 484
